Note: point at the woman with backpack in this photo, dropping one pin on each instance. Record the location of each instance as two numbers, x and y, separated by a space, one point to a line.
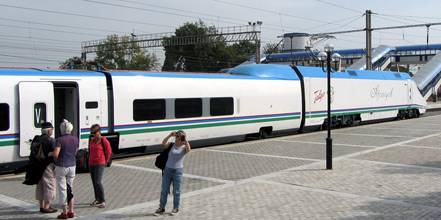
173 170
99 153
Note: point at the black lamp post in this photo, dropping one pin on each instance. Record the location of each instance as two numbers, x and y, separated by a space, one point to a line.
326 55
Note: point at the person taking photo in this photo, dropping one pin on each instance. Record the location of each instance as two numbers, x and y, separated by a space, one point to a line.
173 170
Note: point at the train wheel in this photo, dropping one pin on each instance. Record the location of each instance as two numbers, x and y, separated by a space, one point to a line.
264 133
409 113
401 115
325 125
349 121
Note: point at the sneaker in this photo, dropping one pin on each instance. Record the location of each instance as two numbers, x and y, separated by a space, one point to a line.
159 211
70 214
63 216
174 212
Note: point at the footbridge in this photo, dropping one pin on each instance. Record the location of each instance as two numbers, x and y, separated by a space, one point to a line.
428 78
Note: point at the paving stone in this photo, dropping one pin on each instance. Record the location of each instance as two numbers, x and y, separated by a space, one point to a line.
388 170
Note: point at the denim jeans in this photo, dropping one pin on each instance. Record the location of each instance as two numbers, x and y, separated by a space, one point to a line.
96 173
171 176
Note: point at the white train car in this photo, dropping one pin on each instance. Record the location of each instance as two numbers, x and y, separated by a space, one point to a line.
358 95
138 109
30 97
208 106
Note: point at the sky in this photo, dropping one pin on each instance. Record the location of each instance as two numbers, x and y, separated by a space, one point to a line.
43 33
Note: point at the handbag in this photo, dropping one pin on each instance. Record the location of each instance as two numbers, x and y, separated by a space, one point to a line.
82 159
161 159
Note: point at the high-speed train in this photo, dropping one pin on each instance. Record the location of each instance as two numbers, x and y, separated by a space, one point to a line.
138 109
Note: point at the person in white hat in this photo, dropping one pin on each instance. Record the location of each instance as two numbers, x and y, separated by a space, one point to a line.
45 190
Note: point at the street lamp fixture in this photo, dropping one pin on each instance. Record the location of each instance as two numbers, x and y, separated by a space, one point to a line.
322 56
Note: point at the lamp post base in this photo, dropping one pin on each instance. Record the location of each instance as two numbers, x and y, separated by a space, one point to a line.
329 153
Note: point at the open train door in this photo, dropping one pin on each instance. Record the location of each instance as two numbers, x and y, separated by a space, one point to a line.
36 105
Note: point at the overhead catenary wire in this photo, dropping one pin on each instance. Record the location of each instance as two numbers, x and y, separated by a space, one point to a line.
64 26
346 22
84 16
339 6
51 30
125 6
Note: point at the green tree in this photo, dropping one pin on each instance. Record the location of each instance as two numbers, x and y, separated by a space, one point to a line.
122 53
241 51
272 48
209 56
202 57
74 62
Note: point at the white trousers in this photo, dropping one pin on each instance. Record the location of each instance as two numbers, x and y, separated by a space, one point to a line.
64 175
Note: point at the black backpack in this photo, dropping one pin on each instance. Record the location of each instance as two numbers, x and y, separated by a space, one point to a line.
37 153
161 159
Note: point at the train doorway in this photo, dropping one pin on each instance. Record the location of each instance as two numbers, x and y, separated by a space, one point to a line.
66 106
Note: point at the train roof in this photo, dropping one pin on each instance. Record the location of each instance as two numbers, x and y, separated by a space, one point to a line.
266 71
317 72
47 72
287 72
189 75
249 71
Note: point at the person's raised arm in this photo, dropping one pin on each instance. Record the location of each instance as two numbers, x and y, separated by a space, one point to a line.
165 142
187 146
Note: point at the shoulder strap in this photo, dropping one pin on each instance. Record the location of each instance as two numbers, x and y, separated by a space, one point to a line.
170 146
104 149
35 141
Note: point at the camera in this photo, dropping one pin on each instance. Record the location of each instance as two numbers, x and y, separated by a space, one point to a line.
180 135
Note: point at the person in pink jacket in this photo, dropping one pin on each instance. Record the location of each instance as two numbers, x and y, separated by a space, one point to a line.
99 153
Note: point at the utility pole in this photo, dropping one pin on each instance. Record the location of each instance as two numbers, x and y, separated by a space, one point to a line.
83 60
368 40
257 51
258 23
427 40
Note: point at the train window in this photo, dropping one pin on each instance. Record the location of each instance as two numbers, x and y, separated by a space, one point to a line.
188 108
90 105
4 117
39 114
352 73
148 109
221 106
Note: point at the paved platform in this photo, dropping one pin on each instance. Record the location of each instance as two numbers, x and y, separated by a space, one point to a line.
389 170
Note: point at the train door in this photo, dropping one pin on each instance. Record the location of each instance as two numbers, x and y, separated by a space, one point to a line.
409 92
308 97
36 105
